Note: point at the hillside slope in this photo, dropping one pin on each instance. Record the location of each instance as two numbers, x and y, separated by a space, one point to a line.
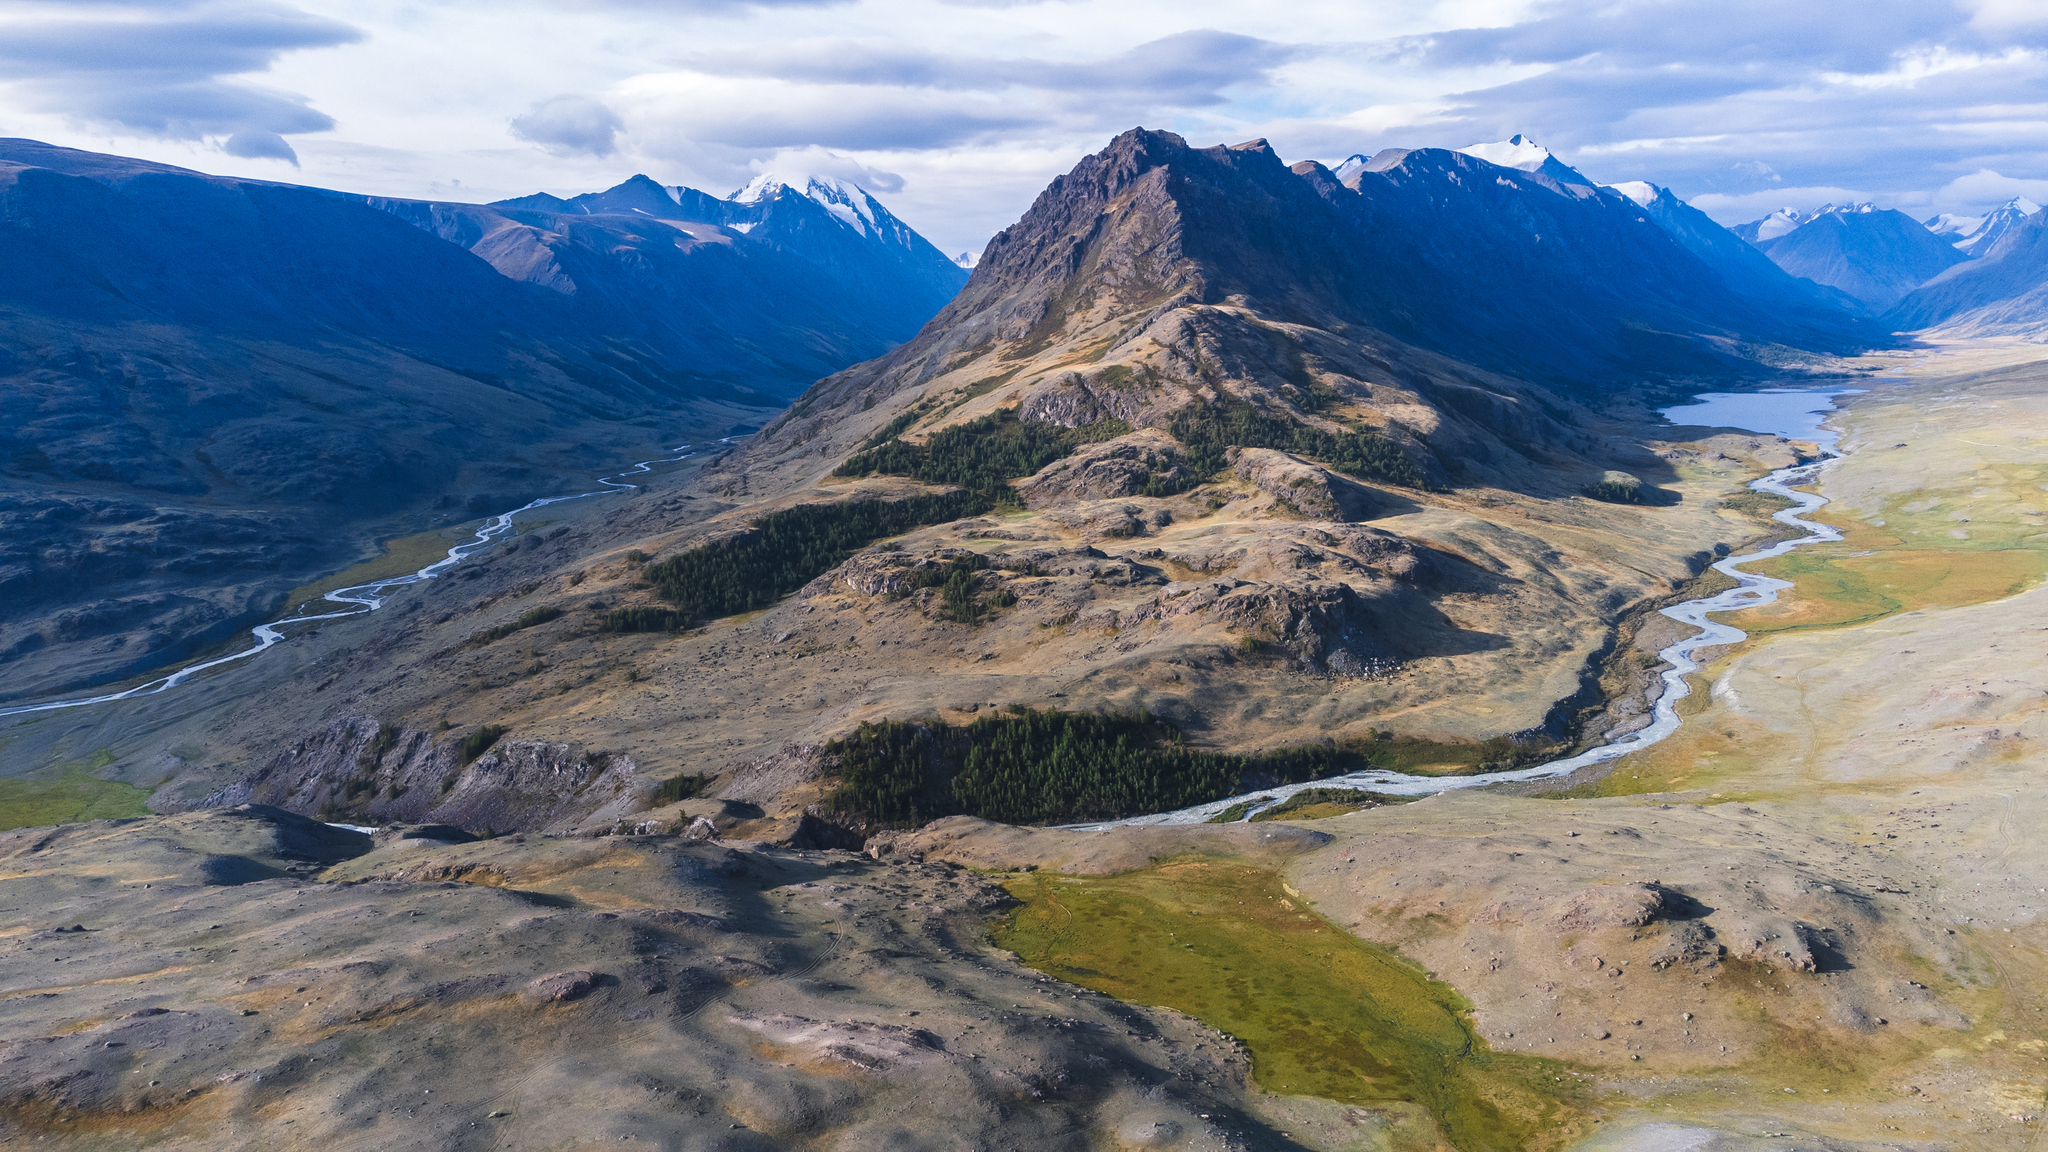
1875 255
1154 457
2004 292
213 389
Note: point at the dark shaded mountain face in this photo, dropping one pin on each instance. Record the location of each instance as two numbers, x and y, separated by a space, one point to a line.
212 389
768 293
1875 255
2004 292
1741 266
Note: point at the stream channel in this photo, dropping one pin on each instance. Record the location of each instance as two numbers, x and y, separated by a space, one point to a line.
361 598
1792 413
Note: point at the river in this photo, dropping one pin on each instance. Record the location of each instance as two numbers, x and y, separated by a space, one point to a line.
361 598
1793 414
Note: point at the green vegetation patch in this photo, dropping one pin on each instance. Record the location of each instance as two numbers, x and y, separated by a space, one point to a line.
69 795
402 556
681 787
641 618
1050 767
479 742
981 455
1322 1012
786 550
1208 432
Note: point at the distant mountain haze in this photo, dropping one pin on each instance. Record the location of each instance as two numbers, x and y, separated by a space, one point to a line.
1974 235
2003 292
1876 255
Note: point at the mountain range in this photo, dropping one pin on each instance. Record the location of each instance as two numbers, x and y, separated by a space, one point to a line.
1875 255
1877 259
216 388
1974 235
213 389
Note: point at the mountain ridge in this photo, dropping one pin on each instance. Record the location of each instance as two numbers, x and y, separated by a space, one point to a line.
215 389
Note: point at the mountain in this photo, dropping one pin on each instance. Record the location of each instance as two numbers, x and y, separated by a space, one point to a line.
1744 268
868 280
1875 255
2004 292
1974 235
1274 456
1523 154
213 389
1420 254
1772 226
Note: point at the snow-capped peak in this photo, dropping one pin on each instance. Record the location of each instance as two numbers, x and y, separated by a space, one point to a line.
1778 223
1516 152
1949 224
1642 192
1974 235
849 202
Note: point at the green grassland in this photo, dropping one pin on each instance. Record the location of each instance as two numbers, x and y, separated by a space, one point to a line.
1935 547
66 795
1322 1012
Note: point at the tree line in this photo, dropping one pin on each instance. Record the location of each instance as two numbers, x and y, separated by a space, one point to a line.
1026 766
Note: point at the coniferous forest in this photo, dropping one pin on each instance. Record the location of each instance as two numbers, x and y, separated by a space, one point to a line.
1049 767
981 455
788 549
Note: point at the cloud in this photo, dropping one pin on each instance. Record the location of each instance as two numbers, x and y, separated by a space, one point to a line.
167 71
569 124
674 113
260 146
1184 70
824 162
1985 188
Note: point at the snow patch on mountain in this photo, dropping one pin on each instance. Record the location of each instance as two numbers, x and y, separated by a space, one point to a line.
1516 152
1974 235
850 204
1642 192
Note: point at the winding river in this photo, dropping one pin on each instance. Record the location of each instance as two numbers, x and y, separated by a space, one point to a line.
361 598
1794 414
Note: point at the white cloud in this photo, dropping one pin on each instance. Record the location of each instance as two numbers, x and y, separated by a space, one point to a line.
569 124
1985 188
1744 105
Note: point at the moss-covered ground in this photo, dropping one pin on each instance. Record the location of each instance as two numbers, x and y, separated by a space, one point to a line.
1323 1013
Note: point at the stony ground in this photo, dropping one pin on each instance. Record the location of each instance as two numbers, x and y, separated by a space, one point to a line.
246 979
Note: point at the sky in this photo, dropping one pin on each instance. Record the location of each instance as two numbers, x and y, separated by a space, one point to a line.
955 113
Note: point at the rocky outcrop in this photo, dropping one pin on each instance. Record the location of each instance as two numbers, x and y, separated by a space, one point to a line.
358 771
1323 627
1125 466
1072 400
1303 487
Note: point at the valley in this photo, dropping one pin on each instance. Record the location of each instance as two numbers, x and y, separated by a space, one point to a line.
957 760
